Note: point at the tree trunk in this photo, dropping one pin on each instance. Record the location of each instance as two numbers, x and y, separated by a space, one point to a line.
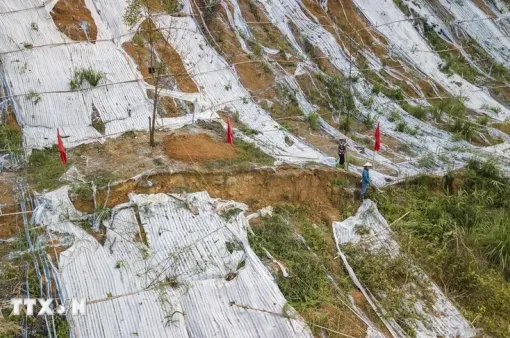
153 124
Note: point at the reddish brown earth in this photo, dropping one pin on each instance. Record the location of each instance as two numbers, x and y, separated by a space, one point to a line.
68 14
197 148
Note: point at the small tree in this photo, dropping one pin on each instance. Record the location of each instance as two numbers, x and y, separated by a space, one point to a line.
143 14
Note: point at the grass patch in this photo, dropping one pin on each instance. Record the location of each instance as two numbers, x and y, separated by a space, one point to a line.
461 239
34 96
45 168
247 156
90 75
392 282
10 138
103 178
452 106
418 111
82 191
313 121
504 127
309 262
453 62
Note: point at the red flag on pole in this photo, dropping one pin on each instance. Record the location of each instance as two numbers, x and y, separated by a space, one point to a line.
377 145
61 149
230 136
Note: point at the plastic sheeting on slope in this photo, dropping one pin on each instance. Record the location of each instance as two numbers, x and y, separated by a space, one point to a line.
390 21
444 321
485 32
120 98
221 89
195 277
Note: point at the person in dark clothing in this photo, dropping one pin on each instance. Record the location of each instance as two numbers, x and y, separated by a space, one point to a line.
342 151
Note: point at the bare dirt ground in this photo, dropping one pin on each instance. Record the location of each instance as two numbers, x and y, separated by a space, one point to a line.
68 16
196 148
319 188
7 205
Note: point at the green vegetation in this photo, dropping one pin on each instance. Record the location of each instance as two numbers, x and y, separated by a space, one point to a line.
10 138
369 120
286 126
45 168
462 130
86 74
230 214
418 111
103 178
461 239
401 125
34 96
171 6
247 130
82 191
452 106
247 156
403 7
483 120
453 61
341 97
99 125
504 127
392 279
313 121
307 288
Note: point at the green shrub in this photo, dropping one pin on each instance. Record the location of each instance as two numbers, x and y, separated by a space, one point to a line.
483 120
34 96
395 93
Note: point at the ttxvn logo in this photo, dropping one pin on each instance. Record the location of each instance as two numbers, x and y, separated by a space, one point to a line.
76 306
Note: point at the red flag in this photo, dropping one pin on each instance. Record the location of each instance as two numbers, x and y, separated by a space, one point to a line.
63 156
377 145
230 136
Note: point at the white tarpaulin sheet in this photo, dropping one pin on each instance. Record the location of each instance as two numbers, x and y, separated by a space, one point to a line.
196 277
443 321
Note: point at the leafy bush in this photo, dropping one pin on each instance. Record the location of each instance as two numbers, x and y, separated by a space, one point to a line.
483 120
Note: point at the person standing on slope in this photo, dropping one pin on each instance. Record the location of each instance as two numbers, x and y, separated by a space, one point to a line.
342 151
365 179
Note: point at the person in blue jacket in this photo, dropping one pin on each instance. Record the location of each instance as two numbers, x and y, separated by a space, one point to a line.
365 179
